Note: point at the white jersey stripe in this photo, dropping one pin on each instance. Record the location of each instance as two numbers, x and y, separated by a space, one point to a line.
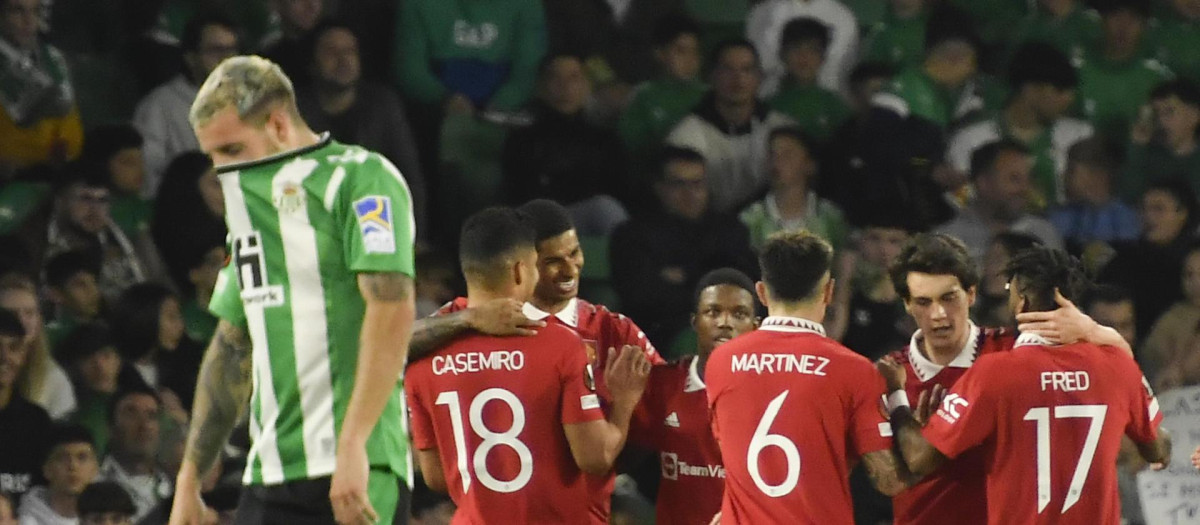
331 189
265 449
309 323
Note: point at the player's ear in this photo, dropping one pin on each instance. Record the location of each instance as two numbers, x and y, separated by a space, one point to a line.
829 290
692 320
760 289
971 295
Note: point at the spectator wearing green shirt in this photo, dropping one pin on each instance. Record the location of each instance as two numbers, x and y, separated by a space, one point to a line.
1065 24
73 280
1042 84
1163 143
657 105
913 114
115 151
470 54
199 323
1115 79
899 39
1177 40
791 203
818 111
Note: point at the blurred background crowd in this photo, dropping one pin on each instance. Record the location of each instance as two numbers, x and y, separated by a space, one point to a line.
679 134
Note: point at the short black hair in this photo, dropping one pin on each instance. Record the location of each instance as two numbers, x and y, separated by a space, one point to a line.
797 134
1094 152
1137 7
548 218
730 44
948 24
1181 87
64 266
1039 271
10 324
803 29
670 27
326 25
83 342
106 140
103 497
135 317
983 159
1107 294
1041 63
934 254
669 154
870 69
724 276
1014 242
67 434
193 31
793 263
130 389
490 235
1181 191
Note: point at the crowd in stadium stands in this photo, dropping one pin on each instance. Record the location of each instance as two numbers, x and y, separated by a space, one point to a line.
678 134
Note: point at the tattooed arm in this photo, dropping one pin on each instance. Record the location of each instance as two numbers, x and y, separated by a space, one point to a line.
495 317
888 474
222 398
382 351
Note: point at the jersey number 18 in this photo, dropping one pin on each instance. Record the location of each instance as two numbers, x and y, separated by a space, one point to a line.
491 439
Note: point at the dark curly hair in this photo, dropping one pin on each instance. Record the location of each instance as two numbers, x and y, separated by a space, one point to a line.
1039 271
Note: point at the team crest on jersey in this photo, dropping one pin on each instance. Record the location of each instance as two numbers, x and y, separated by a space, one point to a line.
590 347
374 214
288 197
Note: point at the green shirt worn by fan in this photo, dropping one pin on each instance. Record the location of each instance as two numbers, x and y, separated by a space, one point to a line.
302 224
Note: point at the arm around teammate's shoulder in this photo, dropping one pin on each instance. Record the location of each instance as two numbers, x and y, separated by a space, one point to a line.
596 444
499 317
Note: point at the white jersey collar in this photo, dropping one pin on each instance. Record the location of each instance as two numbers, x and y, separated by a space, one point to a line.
791 324
568 315
926 369
693 382
1028 339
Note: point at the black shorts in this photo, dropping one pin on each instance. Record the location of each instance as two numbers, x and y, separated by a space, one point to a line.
307 502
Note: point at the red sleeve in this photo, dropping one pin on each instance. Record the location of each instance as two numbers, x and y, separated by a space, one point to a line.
629 334
968 414
421 422
869 428
579 403
1145 415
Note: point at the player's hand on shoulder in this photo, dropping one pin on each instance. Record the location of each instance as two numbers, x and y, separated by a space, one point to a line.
892 372
626 372
928 403
1064 325
503 317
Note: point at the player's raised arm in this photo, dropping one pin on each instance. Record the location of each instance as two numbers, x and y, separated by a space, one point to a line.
502 317
595 445
920 457
222 398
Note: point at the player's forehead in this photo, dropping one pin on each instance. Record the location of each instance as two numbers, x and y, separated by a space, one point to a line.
932 285
559 246
223 129
725 296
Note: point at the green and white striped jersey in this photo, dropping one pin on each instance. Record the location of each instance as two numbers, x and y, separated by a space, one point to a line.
301 226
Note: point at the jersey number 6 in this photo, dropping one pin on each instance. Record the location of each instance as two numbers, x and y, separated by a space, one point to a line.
763 439
491 439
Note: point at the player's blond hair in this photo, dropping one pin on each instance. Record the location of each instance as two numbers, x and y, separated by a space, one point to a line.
252 85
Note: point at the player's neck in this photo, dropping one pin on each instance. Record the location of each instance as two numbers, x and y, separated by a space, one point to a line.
943 356
477 295
550 307
814 312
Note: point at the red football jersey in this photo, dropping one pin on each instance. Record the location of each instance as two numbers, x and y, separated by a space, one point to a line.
792 410
600 330
494 408
672 420
1049 421
957 488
